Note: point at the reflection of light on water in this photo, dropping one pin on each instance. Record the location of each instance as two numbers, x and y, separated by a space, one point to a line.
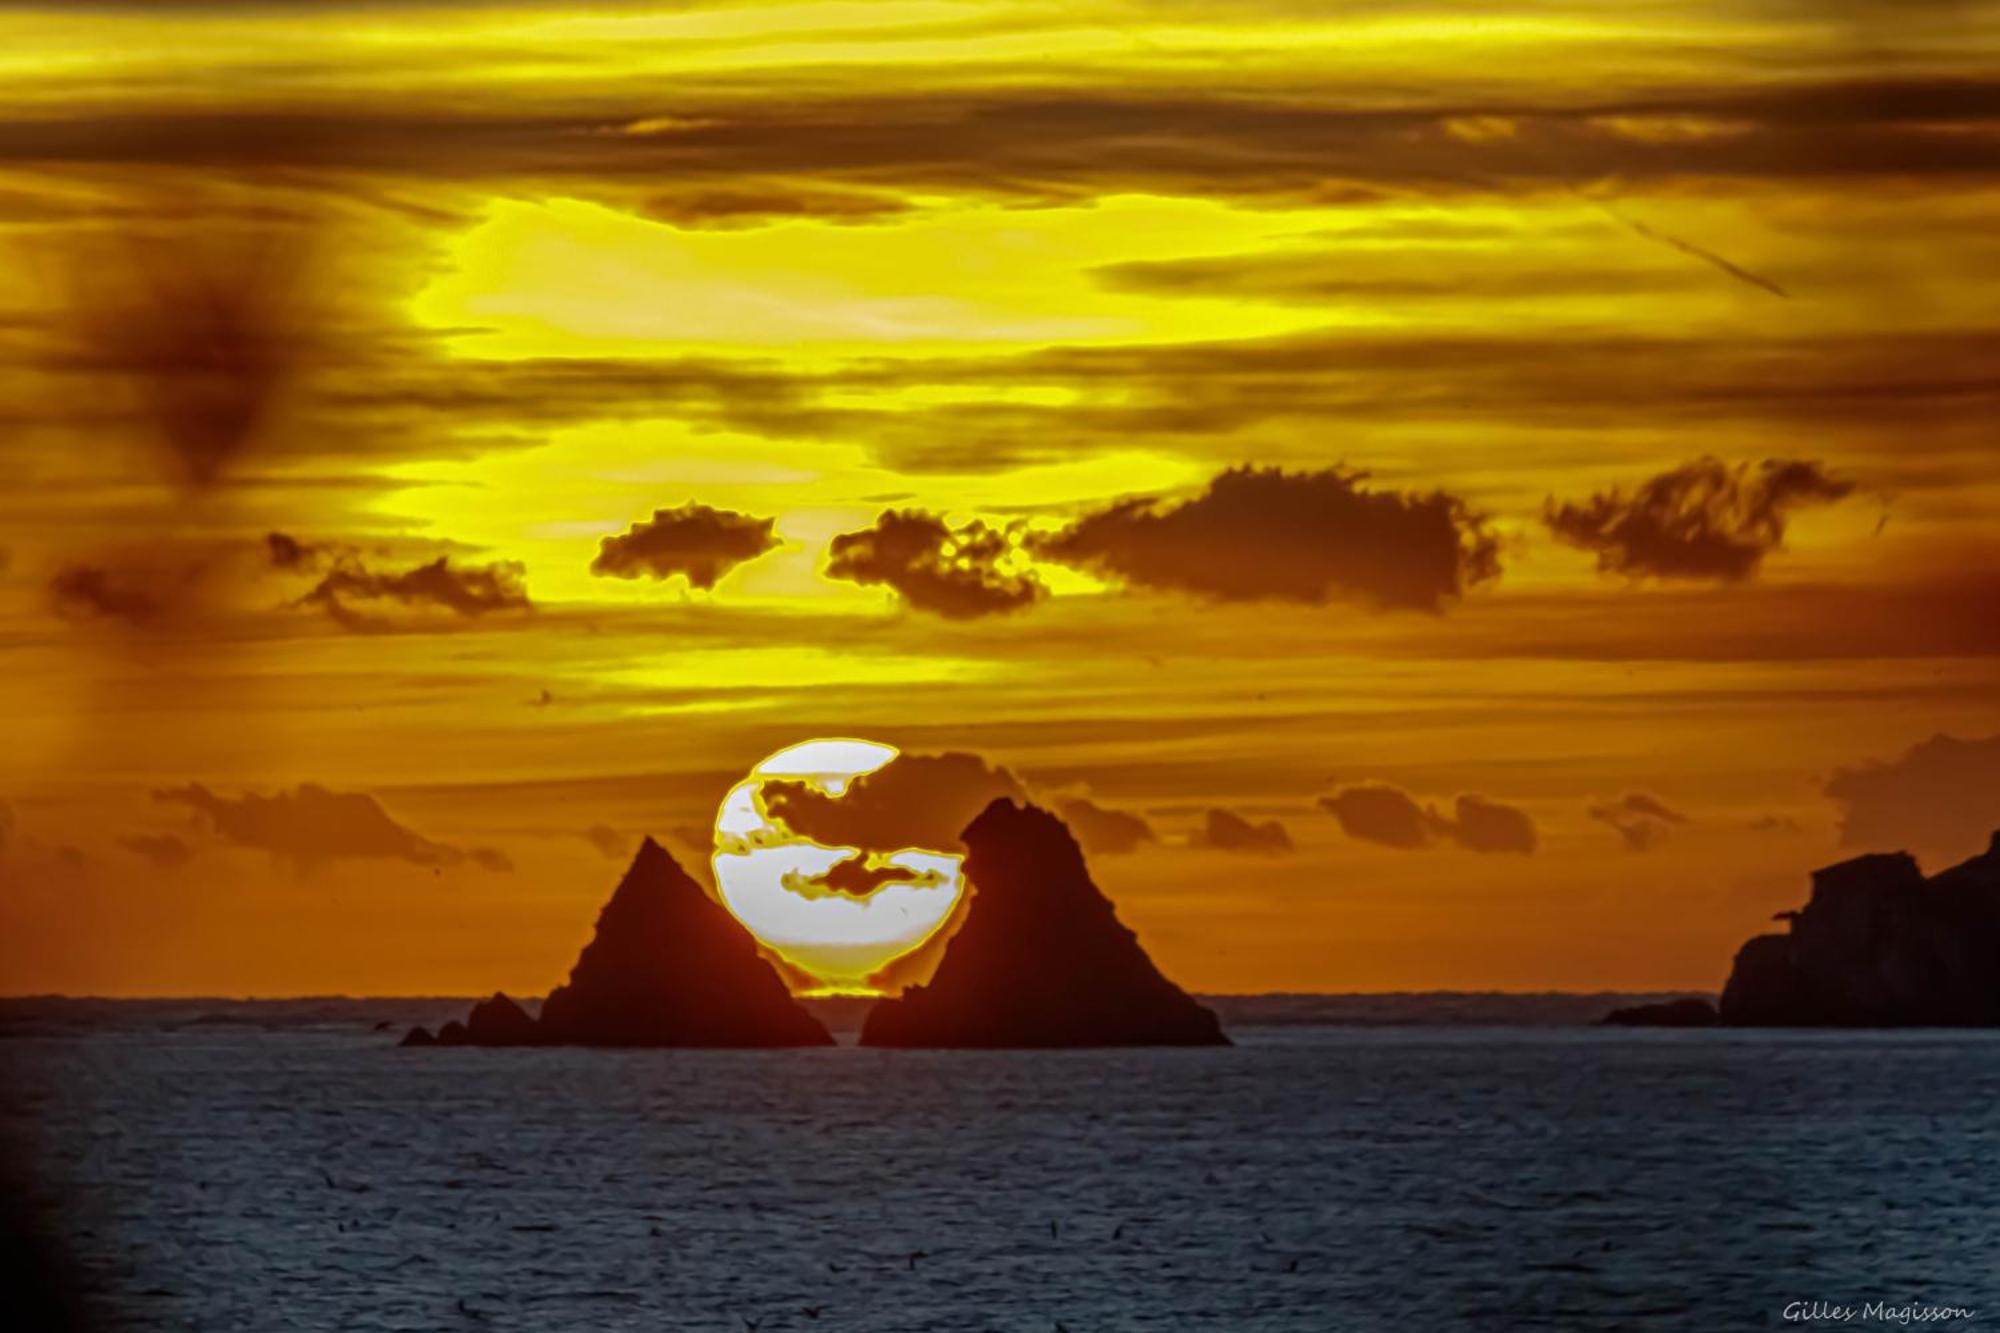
839 938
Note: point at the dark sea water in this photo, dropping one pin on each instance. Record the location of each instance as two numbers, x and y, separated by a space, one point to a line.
1308 1179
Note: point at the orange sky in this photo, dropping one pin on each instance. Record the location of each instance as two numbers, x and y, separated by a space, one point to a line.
1618 380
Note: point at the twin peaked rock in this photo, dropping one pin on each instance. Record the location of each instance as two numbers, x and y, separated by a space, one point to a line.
1040 961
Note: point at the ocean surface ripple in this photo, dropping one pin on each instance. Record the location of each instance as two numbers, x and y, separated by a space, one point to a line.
1308 1179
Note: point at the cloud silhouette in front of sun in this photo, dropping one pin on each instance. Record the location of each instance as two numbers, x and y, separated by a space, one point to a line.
914 800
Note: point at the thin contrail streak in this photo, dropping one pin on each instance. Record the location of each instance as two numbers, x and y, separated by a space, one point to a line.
1694 251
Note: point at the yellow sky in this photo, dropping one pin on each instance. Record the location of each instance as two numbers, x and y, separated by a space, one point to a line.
495 283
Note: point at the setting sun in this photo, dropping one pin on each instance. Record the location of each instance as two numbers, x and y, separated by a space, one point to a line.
841 914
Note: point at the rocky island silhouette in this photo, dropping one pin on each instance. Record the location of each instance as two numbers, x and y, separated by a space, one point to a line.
1879 945
668 966
1042 959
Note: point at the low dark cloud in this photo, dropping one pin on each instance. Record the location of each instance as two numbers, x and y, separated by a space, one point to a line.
1641 820
1101 831
192 585
167 581
94 592
699 543
1703 520
1652 807
290 553
491 859
954 572
698 838
463 591
1487 826
1776 824
1380 813
1263 533
27 861
914 800
1939 798
310 826
609 842
162 851
1227 831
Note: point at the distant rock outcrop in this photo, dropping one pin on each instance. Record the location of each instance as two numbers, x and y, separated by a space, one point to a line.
668 966
1691 1012
1878 945
1041 960
500 1022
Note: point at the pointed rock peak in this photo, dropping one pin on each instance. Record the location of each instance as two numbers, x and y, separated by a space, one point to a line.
666 966
1030 849
654 892
651 871
500 1022
669 966
653 866
1004 813
1042 959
